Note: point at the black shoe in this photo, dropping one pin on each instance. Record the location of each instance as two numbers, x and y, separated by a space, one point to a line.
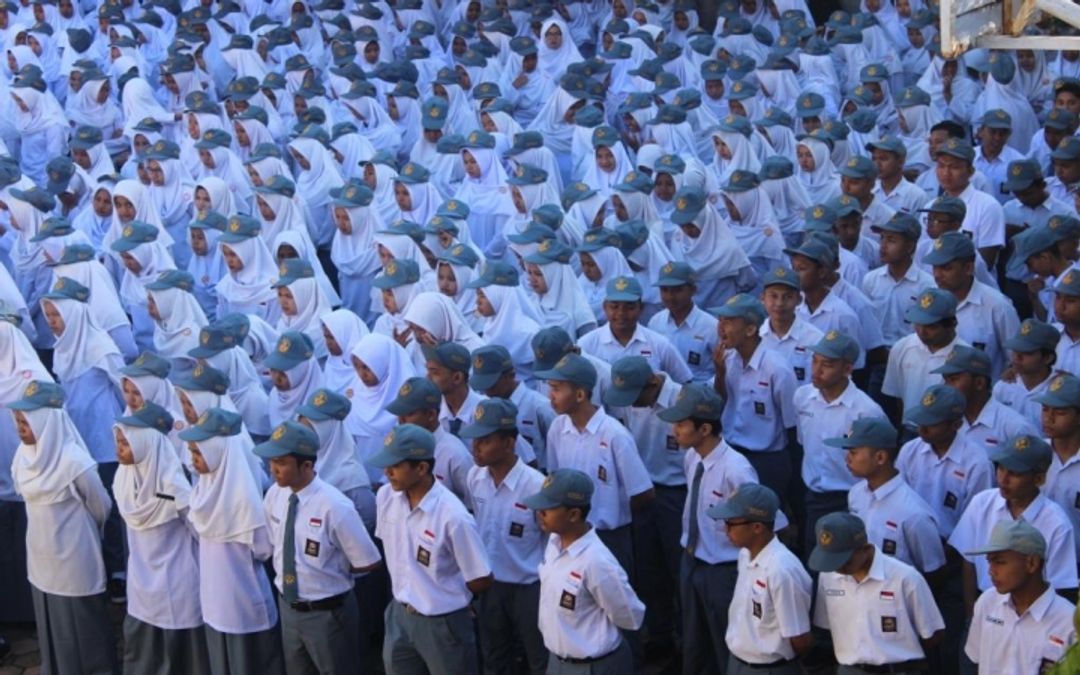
5 646
117 590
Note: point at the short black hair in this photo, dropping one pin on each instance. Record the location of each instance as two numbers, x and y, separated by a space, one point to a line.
506 433
300 459
699 421
1067 86
954 129
417 462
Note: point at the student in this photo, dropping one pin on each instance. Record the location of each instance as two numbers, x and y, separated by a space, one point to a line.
813 262
785 331
494 375
435 556
636 395
993 154
892 189
858 175
586 438
66 507
448 369
1038 252
417 403
1061 427
220 347
690 328
1020 625
946 214
551 344
1065 157
319 543
1067 312
585 597
826 408
914 357
499 485
986 422
942 464
898 521
714 470
879 611
769 617
623 335
898 282
758 384
1033 358
1021 465
226 512
163 629
295 374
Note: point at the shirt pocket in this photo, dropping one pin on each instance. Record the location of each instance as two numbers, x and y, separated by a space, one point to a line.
888 617
761 605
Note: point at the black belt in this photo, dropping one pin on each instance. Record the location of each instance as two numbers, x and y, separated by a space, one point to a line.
591 659
415 612
324 605
762 666
902 667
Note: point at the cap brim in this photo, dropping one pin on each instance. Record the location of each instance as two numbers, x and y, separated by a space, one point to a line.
918 416
842 442
383 459
674 414
821 560
278 361
1018 344
483 381
540 501
476 431
621 398
194 434
23 405
987 550
1010 462
722 511
313 413
622 297
918 316
269 450
398 407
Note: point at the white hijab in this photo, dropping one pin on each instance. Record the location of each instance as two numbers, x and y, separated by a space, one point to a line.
565 303
311 305
338 372
355 254
338 461
44 112
104 302
83 345
553 62
43 473
157 471
392 366
304 378
315 183
823 183
716 253
19 363
226 504
251 285
181 319
439 315
488 194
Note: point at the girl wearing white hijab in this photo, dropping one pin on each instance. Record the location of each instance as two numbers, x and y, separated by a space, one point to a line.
227 513
353 249
787 196
816 170
140 386
317 174
172 189
510 318
562 301
381 366
303 304
374 123
597 268
207 265
395 302
250 133
350 149
105 305
143 264
556 48
342 329
177 320
87 364
338 457
42 128
139 103
131 202
96 220
246 288
416 201
435 318
66 508
485 191
1007 94
92 106
295 243
164 624
222 162
213 194
754 223
608 163
245 388
293 383
733 153
709 246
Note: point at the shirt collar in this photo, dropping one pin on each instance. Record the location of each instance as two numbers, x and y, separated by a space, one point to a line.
767 553
590 427
877 568
581 544
1037 609
608 336
890 486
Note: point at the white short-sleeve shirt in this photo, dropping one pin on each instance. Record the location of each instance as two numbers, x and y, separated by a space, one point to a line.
899 522
948 482
824 468
794 346
1000 641
511 536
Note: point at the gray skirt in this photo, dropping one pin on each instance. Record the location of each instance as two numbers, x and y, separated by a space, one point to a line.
75 634
245 653
149 650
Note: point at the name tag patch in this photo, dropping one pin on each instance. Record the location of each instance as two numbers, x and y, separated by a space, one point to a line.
567 600
311 548
693 358
888 547
834 592
672 445
601 473
888 624
756 609
423 556
800 373
517 530
759 408
951 500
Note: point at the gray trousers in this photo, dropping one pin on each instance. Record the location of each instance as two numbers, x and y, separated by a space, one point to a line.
706 591
245 653
620 541
506 614
320 642
618 662
149 650
75 635
852 670
418 644
737 667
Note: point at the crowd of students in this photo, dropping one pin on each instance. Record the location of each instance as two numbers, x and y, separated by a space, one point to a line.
506 337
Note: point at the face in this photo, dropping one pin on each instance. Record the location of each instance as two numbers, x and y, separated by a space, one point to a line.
734 332
193 127
492 449
405 476
448 284
915 37
364 373
805 157
74 79
1025 60
1060 422
53 318
518 199
993 140
371 52
1067 171
124 455
564 396
619 206
953 173
808 271
287 301
623 316
955 275
389 301
332 345
780 301
829 373
442 377
860 188
889 164
133 398
935 335
286 471
300 105
862 461
1010 570
152 308
1018 486
232 261
848 230
1031 363
22 427
714 89
1067 100
1067 309
536 278
280 380
722 148
198 462
664 188
737 108
125 210
938 224
103 206
253 175
553 37
605 159
687 435
199 245
940 434
300 160
472 169
402 196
